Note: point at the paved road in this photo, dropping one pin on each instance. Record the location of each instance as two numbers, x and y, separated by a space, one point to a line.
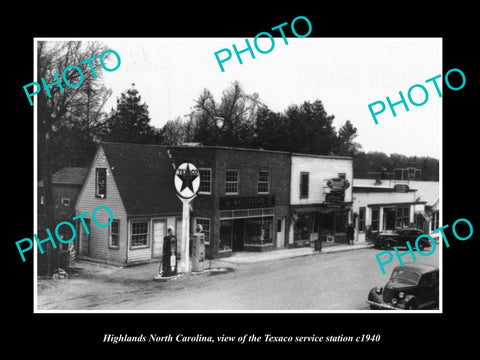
336 281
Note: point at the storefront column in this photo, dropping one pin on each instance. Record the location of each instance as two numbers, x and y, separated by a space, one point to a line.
290 232
412 215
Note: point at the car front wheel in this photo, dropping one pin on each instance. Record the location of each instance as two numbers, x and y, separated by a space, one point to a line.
388 244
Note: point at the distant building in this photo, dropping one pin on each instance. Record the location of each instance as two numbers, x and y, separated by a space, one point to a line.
388 204
66 185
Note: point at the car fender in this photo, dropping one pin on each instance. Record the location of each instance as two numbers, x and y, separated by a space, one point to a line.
409 299
373 296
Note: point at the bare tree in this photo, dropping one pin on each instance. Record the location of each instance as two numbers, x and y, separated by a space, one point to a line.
60 103
230 122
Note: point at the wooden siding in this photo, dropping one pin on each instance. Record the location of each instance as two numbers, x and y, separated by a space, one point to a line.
87 202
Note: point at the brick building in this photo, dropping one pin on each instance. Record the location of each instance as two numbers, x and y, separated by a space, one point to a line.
243 201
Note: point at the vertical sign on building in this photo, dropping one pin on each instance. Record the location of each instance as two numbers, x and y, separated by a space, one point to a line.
187 183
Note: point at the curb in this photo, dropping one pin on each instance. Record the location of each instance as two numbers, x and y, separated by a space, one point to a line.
291 256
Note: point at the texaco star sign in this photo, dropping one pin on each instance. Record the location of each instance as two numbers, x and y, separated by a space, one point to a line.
186 180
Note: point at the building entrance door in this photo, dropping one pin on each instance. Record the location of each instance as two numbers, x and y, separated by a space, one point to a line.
238 233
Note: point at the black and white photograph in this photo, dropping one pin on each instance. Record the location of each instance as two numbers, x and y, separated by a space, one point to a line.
187 189
272 186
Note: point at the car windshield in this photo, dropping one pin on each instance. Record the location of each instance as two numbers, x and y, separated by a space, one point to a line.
405 276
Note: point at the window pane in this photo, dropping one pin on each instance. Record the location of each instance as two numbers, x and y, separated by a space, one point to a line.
231 182
139 233
263 181
114 233
101 182
304 185
205 180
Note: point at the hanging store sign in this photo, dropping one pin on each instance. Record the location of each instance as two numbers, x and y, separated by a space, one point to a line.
338 184
402 188
335 196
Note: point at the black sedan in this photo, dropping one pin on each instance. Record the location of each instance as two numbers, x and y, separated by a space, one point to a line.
399 237
411 287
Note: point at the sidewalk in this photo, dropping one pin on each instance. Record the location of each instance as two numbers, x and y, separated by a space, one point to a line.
244 257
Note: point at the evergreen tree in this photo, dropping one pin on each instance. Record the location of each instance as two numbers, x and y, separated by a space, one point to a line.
130 122
311 129
346 136
271 131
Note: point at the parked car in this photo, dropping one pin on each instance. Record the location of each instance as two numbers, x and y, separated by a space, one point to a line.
411 287
399 237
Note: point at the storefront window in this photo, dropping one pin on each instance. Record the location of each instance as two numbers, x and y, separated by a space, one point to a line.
258 231
301 229
375 219
225 235
403 217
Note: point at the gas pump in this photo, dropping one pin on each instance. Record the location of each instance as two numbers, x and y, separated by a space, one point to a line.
198 250
169 263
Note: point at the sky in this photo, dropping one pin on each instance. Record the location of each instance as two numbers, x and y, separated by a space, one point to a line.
346 74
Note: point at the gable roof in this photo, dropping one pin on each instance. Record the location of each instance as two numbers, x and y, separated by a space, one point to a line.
69 176
144 177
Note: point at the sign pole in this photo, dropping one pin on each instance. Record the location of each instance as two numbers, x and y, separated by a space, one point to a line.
185 264
187 183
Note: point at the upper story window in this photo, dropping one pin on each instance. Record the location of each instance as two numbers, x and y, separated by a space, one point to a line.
263 182
304 176
205 181
65 201
231 182
101 182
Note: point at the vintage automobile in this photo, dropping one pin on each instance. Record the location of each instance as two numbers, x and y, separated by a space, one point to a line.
399 237
411 287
